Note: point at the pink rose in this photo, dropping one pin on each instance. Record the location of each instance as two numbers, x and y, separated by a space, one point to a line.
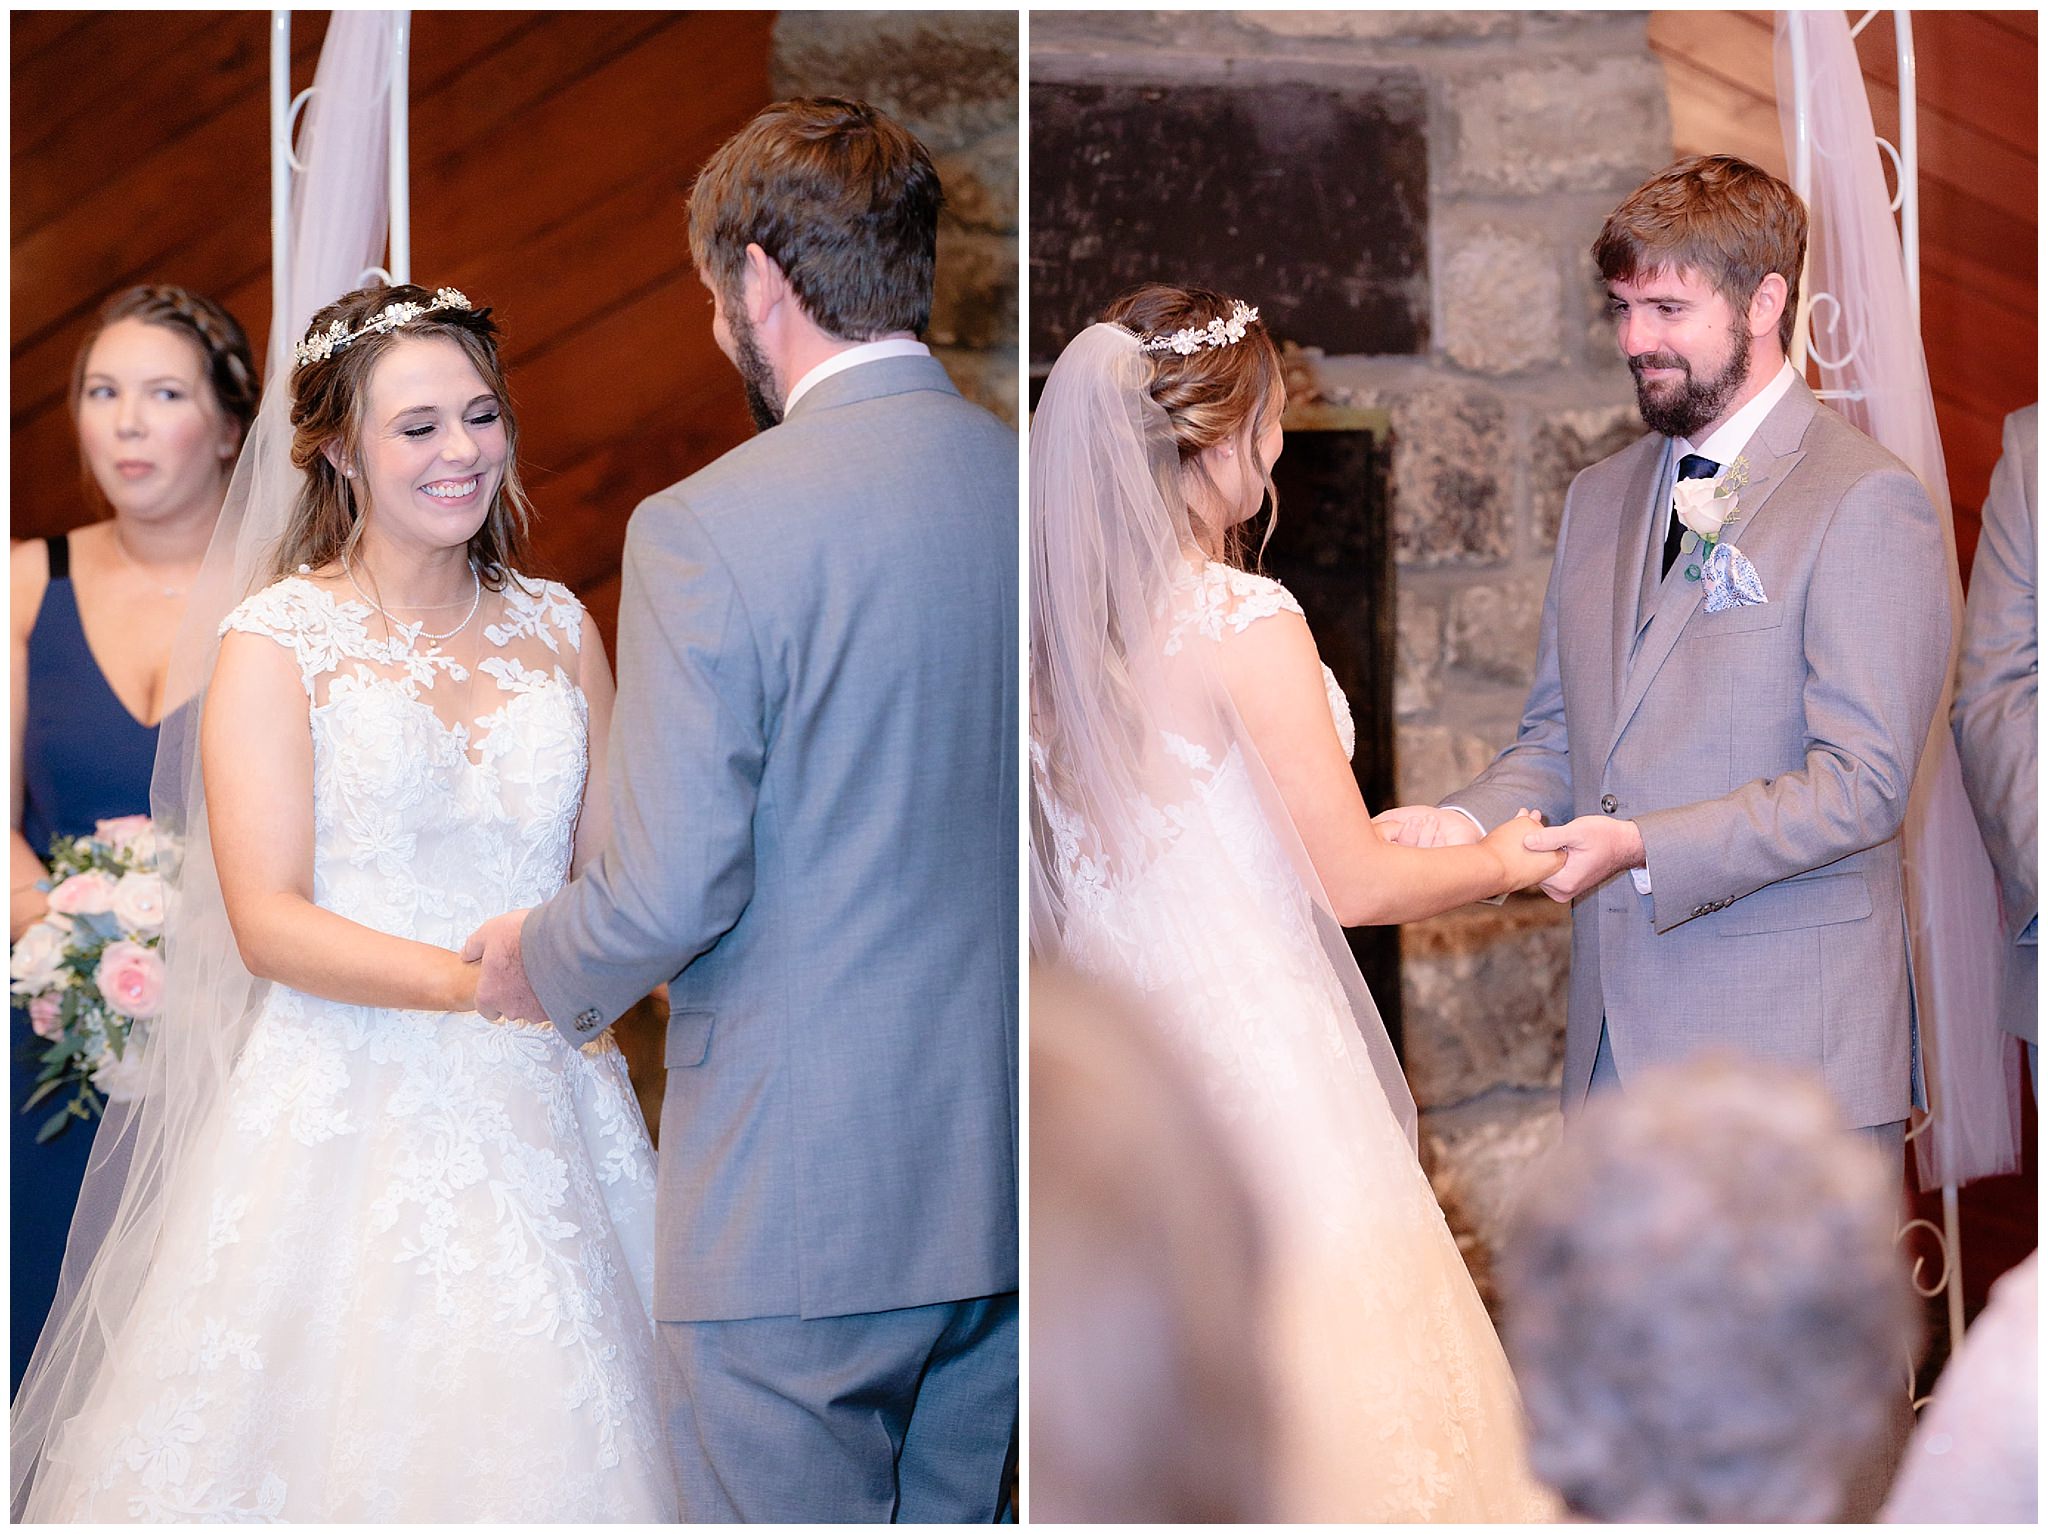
86 894
120 832
46 1016
131 979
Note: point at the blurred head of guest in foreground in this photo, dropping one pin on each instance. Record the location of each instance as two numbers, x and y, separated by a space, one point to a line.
1705 1308
1148 1394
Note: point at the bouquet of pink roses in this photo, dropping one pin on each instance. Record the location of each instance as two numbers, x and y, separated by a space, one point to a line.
90 971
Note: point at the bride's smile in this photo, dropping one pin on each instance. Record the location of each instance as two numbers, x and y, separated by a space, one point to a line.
433 449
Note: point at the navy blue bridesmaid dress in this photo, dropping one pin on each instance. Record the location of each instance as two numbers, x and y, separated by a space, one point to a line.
84 759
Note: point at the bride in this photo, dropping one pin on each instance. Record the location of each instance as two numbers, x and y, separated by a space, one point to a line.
1198 836
394 1263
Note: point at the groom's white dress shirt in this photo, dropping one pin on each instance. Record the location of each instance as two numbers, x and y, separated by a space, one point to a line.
852 357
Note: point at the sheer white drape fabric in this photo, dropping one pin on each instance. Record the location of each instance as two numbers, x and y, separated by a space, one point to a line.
1866 341
340 211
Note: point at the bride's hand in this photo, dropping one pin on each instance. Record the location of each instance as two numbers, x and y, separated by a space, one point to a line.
1521 868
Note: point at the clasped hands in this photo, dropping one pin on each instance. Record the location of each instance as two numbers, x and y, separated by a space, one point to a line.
1595 847
502 989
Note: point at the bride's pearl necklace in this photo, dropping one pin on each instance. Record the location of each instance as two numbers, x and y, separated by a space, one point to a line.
475 602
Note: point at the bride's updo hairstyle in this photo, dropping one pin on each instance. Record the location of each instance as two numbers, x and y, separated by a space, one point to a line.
329 399
1211 395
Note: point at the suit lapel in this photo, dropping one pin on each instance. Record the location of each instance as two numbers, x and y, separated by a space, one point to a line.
1772 454
1639 508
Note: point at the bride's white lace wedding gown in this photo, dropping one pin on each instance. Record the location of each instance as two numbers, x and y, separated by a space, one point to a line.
408 1276
1395 1398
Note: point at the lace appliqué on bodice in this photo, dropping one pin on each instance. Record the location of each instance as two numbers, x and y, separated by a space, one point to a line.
441 797
1224 599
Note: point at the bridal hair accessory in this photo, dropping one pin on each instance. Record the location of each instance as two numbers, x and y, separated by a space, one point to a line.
1218 332
319 345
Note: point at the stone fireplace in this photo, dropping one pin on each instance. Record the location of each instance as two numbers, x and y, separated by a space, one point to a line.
1410 198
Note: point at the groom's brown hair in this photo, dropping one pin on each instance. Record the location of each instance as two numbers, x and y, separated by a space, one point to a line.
1714 215
839 195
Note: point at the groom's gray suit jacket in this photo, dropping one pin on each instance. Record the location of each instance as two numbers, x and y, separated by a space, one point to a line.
1765 752
813 777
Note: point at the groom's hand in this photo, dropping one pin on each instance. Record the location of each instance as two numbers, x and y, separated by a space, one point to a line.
502 990
1595 848
1424 825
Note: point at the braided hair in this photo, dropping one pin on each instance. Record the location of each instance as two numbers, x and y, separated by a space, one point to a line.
230 369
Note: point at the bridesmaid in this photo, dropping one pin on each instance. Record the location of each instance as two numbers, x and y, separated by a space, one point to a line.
162 393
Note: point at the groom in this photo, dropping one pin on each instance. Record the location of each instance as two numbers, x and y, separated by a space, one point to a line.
1723 737
813 777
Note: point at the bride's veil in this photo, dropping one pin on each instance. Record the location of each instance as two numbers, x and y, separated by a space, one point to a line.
1128 724
146 1146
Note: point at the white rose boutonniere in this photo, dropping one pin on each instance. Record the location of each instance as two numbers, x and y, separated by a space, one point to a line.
1707 509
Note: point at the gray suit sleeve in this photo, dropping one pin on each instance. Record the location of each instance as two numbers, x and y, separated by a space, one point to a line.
687 748
1877 633
1536 771
1998 676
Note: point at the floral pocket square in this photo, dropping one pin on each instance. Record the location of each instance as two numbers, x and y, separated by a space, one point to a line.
1731 580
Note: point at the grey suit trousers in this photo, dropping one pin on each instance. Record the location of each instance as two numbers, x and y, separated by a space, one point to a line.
873 1418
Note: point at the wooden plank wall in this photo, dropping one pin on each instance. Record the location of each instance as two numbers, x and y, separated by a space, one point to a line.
551 155
1978 192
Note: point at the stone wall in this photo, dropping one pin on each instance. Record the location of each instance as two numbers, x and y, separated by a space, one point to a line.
951 78
1539 123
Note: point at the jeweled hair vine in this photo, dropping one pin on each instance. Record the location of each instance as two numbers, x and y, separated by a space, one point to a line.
319 344
1221 331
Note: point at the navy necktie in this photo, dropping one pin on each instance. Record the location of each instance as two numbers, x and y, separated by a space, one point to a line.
1691 466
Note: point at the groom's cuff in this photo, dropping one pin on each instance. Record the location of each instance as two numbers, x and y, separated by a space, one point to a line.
1500 899
1469 816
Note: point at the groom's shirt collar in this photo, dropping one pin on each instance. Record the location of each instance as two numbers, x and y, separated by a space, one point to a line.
852 357
1725 445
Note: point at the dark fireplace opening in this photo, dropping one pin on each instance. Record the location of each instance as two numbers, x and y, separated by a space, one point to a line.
1332 547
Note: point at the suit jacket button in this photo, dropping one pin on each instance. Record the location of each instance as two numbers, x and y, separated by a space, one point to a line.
588 1018
1701 910
1607 804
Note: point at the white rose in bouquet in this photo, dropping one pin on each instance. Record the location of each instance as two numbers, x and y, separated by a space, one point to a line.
138 903
121 1080
37 962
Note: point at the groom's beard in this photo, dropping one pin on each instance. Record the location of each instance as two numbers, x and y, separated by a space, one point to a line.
764 403
1695 402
